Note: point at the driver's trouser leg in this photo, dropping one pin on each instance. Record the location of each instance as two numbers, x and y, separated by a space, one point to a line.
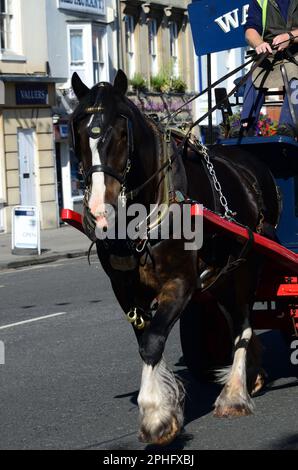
253 101
286 118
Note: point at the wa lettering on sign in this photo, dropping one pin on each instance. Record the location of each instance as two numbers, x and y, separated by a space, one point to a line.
233 19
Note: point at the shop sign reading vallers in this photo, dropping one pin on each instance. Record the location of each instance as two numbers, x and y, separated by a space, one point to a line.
31 93
84 6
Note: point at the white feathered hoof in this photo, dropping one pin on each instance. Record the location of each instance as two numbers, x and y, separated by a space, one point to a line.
233 406
154 431
161 403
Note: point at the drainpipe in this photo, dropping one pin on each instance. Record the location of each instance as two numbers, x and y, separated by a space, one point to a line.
119 36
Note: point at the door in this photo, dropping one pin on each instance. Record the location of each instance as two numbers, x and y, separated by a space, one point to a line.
27 167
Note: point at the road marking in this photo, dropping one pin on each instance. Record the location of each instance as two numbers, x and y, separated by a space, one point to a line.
1 287
11 325
42 266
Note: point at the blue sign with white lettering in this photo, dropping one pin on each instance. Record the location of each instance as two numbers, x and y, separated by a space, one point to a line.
31 93
217 25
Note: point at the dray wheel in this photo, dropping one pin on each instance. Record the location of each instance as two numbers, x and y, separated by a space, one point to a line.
206 338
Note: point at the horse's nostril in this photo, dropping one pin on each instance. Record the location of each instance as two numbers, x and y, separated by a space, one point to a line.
105 229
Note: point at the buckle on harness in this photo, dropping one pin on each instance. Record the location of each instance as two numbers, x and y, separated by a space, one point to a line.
168 135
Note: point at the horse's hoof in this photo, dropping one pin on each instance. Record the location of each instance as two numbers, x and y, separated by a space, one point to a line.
163 437
232 411
259 382
233 406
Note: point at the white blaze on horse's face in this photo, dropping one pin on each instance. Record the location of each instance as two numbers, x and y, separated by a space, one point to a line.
97 199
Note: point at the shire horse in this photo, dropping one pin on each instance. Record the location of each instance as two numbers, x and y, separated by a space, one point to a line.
120 150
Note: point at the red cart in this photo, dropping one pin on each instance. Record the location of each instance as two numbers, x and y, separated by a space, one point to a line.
205 333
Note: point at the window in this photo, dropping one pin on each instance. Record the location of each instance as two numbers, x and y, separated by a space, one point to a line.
79 41
77 182
5 25
88 52
76 47
174 47
152 33
98 55
130 44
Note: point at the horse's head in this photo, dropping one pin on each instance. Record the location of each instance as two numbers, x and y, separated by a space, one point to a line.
103 142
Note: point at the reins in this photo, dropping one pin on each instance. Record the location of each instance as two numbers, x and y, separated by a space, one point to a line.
203 92
244 79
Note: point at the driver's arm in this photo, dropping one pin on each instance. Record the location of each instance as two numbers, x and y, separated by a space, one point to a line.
295 33
256 41
254 28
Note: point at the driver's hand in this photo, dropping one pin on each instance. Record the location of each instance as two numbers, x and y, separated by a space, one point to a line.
263 47
283 40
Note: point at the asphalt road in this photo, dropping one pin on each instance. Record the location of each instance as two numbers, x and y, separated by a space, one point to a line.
70 381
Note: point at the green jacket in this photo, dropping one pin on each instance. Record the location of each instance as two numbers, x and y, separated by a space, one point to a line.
268 74
273 21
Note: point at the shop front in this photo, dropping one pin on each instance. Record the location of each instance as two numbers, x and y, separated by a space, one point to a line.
69 180
27 153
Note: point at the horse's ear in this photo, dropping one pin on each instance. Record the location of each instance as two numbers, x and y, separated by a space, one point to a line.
79 88
121 82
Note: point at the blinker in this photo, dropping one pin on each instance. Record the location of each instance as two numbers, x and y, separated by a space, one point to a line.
94 128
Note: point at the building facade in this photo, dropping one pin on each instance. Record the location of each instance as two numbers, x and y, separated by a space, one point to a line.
156 38
27 91
82 38
43 42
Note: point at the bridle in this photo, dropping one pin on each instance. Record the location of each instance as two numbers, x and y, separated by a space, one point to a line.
94 128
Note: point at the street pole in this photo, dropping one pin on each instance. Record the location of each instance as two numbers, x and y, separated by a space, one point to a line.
209 83
119 36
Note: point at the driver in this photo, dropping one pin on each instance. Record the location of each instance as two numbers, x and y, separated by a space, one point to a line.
272 23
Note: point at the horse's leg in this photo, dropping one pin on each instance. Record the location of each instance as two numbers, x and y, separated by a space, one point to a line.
234 399
237 297
161 396
256 375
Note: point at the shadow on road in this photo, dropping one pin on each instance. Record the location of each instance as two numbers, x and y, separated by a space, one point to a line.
200 396
276 360
289 442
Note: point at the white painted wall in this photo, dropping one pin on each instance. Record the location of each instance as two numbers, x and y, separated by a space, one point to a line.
34 36
58 23
222 63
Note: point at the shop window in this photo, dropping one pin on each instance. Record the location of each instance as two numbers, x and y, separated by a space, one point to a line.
5 25
77 182
152 37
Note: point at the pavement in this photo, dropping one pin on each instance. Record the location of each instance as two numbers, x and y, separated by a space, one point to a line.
63 242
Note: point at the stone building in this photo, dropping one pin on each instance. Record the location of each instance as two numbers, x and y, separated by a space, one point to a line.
27 95
156 37
82 38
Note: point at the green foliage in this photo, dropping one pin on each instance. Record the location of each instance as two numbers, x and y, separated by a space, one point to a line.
161 82
178 85
265 127
138 82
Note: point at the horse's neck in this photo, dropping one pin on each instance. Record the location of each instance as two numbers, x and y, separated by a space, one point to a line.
166 181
